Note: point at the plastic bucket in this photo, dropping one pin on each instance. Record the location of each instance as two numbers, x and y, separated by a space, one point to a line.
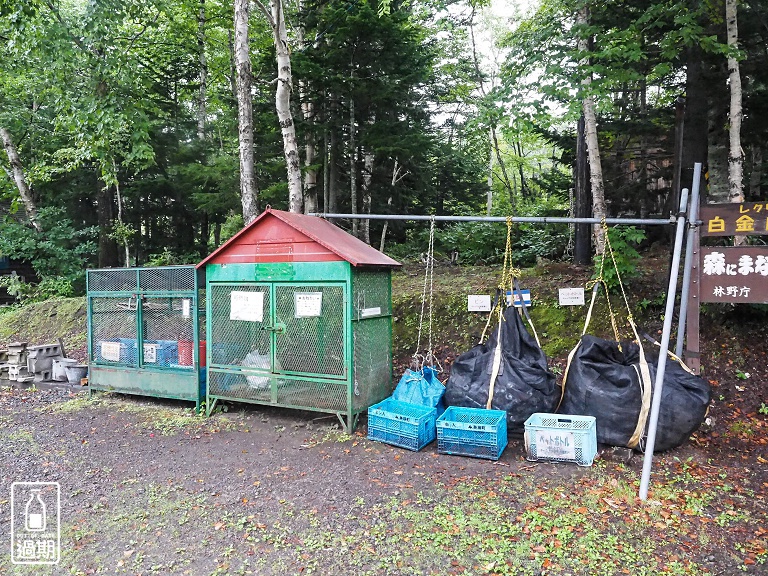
58 368
76 372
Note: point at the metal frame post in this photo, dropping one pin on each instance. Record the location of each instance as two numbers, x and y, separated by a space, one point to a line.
662 364
693 216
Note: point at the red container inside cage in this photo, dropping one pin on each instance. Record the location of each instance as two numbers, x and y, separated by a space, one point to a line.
185 352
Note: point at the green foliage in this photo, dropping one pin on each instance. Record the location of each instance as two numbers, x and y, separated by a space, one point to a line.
25 292
624 241
59 254
169 258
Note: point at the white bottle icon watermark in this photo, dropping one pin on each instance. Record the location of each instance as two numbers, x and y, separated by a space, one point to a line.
35 523
34 512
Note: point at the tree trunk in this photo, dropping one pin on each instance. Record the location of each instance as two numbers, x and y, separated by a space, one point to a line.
333 173
735 156
353 165
276 18
203 71
108 257
756 173
489 199
18 177
695 133
367 175
593 149
582 202
248 191
310 140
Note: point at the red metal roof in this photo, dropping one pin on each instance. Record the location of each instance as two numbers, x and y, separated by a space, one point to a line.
278 236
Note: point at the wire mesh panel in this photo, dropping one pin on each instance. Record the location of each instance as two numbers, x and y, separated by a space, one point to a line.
167 279
373 361
167 328
309 329
331 396
240 323
371 295
112 280
113 331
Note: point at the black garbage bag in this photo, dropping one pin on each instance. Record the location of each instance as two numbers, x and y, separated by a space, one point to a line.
603 380
524 385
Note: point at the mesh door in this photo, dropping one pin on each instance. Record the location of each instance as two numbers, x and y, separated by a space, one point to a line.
312 340
167 332
239 323
113 331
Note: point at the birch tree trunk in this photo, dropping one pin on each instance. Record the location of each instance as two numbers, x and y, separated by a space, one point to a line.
248 191
735 156
593 149
276 18
201 103
353 165
20 179
489 199
310 139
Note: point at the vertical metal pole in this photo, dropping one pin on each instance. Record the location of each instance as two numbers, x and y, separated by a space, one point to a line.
693 215
662 365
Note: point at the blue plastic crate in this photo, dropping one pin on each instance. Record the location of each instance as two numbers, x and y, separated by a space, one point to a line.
472 432
410 426
561 438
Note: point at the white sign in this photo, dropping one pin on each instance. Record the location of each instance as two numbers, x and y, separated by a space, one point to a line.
571 296
248 306
479 303
110 351
186 304
150 353
35 523
555 444
308 304
365 312
526 298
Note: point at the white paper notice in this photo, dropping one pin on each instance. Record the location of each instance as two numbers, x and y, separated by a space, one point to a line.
308 304
479 303
110 351
150 353
248 306
571 296
186 304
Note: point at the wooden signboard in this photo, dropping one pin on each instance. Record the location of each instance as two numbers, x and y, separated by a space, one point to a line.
732 274
734 219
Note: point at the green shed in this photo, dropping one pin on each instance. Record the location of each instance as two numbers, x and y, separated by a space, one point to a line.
299 315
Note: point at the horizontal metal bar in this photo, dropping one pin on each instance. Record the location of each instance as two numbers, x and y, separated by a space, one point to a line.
516 219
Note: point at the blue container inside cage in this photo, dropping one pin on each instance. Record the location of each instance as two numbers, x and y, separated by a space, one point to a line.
561 438
472 432
410 426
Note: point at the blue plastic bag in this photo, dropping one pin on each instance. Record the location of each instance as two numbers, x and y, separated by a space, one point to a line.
421 387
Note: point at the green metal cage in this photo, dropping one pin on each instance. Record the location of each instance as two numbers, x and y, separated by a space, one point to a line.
307 335
144 328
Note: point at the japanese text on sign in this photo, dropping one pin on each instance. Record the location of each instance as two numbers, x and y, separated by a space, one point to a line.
248 306
555 444
730 219
734 274
308 304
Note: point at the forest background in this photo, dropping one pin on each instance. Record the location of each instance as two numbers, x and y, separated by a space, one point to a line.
147 132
